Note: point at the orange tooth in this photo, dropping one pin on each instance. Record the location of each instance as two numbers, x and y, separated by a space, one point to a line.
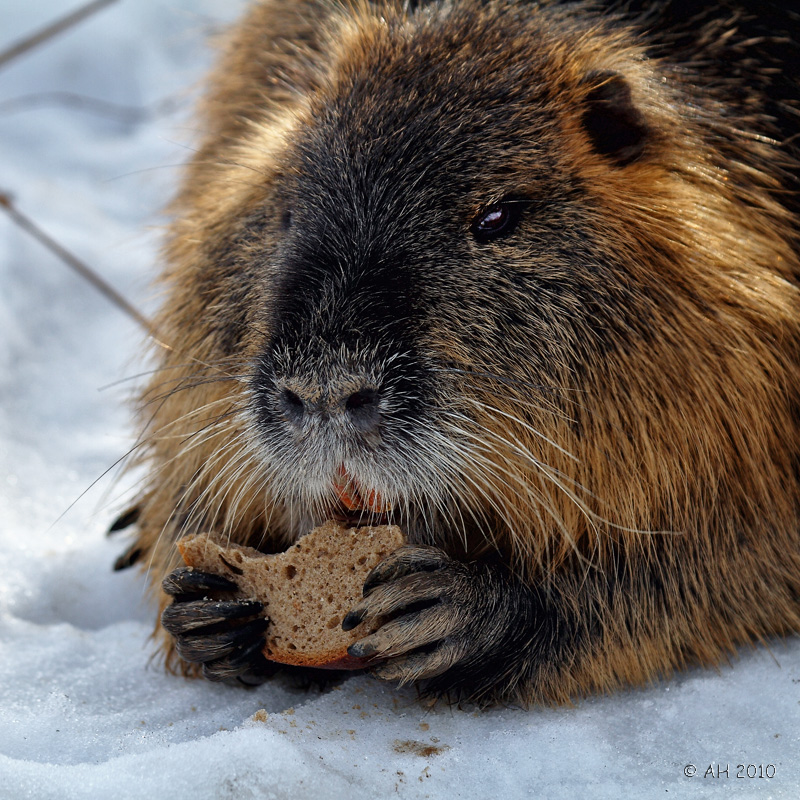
376 503
347 491
350 496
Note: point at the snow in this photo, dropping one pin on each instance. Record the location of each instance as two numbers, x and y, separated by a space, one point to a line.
84 713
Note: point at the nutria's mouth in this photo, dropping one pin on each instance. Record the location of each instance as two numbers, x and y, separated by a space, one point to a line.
348 518
358 517
350 502
356 506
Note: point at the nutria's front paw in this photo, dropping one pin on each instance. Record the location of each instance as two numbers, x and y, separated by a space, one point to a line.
435 609
225 635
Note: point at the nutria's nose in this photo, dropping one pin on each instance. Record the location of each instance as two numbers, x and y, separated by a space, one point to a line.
355 401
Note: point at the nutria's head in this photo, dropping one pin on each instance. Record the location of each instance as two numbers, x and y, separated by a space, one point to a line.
487 270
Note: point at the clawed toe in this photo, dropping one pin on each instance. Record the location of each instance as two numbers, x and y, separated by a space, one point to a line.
186 583
415 591
182 618
422 665
246 666
205 647
408 632
404 561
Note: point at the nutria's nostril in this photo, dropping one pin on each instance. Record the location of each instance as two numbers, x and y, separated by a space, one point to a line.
361 399
363 410
292 406
293 400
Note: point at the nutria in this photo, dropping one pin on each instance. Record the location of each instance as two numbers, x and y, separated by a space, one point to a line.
528 273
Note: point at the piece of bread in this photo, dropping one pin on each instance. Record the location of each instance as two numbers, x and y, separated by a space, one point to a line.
306 591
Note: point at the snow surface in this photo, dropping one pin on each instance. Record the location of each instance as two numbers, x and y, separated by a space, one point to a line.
83 712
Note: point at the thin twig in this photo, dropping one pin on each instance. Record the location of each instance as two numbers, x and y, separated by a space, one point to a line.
82 269
93 105
54 28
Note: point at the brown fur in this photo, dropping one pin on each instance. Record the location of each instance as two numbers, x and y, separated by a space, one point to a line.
652 482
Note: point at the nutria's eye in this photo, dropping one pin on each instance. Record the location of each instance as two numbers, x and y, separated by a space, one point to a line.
497 220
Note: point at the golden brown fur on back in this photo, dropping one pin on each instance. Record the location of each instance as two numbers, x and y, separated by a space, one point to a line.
608 411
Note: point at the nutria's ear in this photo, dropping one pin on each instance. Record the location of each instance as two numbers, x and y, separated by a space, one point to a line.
615 126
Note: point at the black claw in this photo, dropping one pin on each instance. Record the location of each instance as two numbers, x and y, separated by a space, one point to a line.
181 618
202 648
128 558
191 582
125 520
352 620
361 650
372 582
376 578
